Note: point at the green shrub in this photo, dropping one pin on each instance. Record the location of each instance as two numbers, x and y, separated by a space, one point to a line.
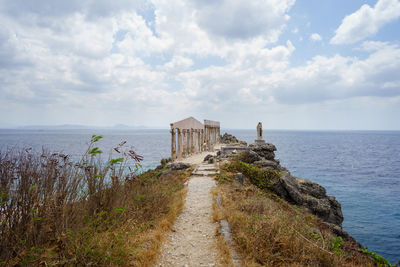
222 178
164 162
245 156
378 259
261 178
336 246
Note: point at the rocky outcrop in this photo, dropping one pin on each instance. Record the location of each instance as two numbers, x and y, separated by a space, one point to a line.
264 150
230 139
268 164
209 158
177 166
310 196
304 193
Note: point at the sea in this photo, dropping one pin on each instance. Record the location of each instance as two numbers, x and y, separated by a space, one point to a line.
360 168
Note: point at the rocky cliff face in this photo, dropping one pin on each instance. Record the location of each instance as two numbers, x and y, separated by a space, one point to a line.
304 193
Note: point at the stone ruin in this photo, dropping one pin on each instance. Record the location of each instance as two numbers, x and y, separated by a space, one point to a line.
189 136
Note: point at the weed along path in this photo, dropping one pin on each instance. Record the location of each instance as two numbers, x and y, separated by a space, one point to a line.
192 241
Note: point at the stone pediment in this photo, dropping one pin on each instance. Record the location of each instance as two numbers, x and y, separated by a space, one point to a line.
188 123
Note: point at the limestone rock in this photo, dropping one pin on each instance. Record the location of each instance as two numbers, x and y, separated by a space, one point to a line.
206 158
230 139
209 158
239 177
178 166
267 163
311 188
289 183
264 150
340 232
310 196
249 156
263 146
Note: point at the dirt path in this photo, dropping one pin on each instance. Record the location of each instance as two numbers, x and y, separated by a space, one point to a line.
193 241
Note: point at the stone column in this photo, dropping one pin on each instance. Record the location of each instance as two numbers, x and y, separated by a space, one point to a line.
214 135
212 132
179 144
173 143
188 141
191 141
206 138
198 140
184 142
194 141
218 135
201 140
209 138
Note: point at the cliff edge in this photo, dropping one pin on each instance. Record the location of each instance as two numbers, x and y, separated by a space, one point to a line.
303 193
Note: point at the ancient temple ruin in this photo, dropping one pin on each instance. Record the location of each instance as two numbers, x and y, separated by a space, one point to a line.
190 136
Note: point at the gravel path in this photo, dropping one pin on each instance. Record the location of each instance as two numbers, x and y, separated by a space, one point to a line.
193 240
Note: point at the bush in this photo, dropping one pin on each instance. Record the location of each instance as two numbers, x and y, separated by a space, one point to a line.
257 176
46 198
378 259
164 162
248 157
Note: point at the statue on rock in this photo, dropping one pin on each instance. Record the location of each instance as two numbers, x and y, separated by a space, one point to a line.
259 134
259 131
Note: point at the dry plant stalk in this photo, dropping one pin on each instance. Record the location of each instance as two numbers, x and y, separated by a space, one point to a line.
54 211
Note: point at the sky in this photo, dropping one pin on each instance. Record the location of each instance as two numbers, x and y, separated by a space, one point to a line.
311 64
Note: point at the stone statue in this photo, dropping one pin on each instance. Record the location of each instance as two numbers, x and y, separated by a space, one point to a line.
259 131
259 139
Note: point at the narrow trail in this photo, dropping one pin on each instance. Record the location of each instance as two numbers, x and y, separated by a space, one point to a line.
193 241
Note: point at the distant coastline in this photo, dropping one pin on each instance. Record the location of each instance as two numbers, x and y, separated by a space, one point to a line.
79 127
143 127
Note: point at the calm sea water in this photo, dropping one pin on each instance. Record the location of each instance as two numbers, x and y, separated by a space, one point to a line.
360 168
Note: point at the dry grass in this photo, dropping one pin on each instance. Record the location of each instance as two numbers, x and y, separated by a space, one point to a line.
270 232
154 239
223 249
93 212
224 254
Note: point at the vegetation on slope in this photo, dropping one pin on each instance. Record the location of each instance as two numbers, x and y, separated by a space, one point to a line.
93 212
270 232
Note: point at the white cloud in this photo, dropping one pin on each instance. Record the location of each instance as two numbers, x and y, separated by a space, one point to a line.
241 19
218 28
121 65
315 37
178 64
325 78
139 39
56 9
366 21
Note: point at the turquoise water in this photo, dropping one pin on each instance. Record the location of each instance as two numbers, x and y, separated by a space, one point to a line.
360 168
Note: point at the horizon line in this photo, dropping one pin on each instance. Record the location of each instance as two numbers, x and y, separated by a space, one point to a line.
143 127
